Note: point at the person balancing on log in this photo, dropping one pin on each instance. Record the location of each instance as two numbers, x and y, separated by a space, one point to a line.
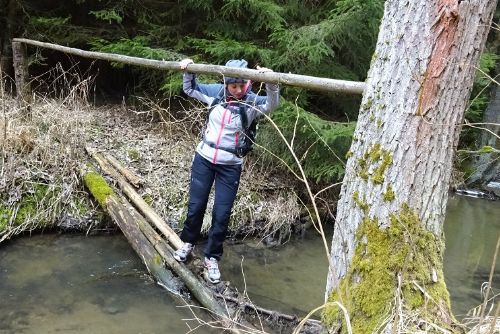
218 158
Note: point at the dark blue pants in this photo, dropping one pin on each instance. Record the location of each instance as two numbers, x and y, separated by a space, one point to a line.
203 175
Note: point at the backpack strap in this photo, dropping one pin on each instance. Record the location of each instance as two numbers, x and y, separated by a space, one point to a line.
248 130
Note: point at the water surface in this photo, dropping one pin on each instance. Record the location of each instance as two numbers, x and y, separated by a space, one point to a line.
77 284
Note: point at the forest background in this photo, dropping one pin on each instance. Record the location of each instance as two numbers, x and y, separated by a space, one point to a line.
332 38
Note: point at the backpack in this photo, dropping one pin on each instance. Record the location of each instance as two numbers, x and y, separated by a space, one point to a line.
244 146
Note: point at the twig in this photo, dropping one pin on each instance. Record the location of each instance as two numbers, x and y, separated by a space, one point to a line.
483 308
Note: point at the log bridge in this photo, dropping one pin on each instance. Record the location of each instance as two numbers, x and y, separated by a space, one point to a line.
155 241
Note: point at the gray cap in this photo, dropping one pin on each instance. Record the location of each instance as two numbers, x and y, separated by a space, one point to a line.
239 63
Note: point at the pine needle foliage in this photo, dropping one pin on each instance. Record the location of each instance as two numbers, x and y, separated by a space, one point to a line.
480 97
332 38
321 145
136 47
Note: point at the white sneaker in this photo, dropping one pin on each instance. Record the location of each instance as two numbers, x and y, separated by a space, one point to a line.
212 273
182 253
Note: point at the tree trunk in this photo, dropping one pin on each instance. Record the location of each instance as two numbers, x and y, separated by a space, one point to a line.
387 248
124 217
153 217
20 61
7 30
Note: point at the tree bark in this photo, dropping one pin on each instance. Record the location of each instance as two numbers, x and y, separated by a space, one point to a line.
23 90
304 81
169 234
123 215
387 248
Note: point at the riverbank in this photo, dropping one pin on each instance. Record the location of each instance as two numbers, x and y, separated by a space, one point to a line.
42 157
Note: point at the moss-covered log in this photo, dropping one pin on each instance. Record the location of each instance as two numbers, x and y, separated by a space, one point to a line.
149 245
146 210
120 212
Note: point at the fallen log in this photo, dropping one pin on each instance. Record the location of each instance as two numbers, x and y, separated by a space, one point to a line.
199 290
297 80
131 177
150 214
154 251
203 293
120 213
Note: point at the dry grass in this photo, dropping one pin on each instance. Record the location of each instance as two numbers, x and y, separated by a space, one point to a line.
41 155
155 141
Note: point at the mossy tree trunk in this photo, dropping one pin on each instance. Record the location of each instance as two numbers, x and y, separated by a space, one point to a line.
387 248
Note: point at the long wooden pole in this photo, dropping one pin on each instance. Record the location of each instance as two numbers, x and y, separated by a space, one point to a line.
297 80
169 234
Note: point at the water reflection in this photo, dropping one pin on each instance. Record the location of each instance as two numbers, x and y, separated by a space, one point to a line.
290 279
74 284
472 228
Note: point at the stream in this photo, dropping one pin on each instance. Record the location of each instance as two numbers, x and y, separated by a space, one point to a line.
75 284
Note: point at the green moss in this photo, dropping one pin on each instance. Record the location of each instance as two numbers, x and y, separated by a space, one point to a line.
379 123
368 104
133 154
349 154
30 204
360 202
486 149
157 259
404 249
389 195
27 209
148 199
374 152
5 214
377 156
98 187
363 169
386 161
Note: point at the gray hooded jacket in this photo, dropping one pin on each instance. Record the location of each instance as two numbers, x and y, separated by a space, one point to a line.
224 128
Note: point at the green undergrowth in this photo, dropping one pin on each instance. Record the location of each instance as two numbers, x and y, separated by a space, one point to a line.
320 145
28 207
402 257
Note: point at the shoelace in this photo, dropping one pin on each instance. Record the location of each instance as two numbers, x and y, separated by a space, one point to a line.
212 265
185 249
